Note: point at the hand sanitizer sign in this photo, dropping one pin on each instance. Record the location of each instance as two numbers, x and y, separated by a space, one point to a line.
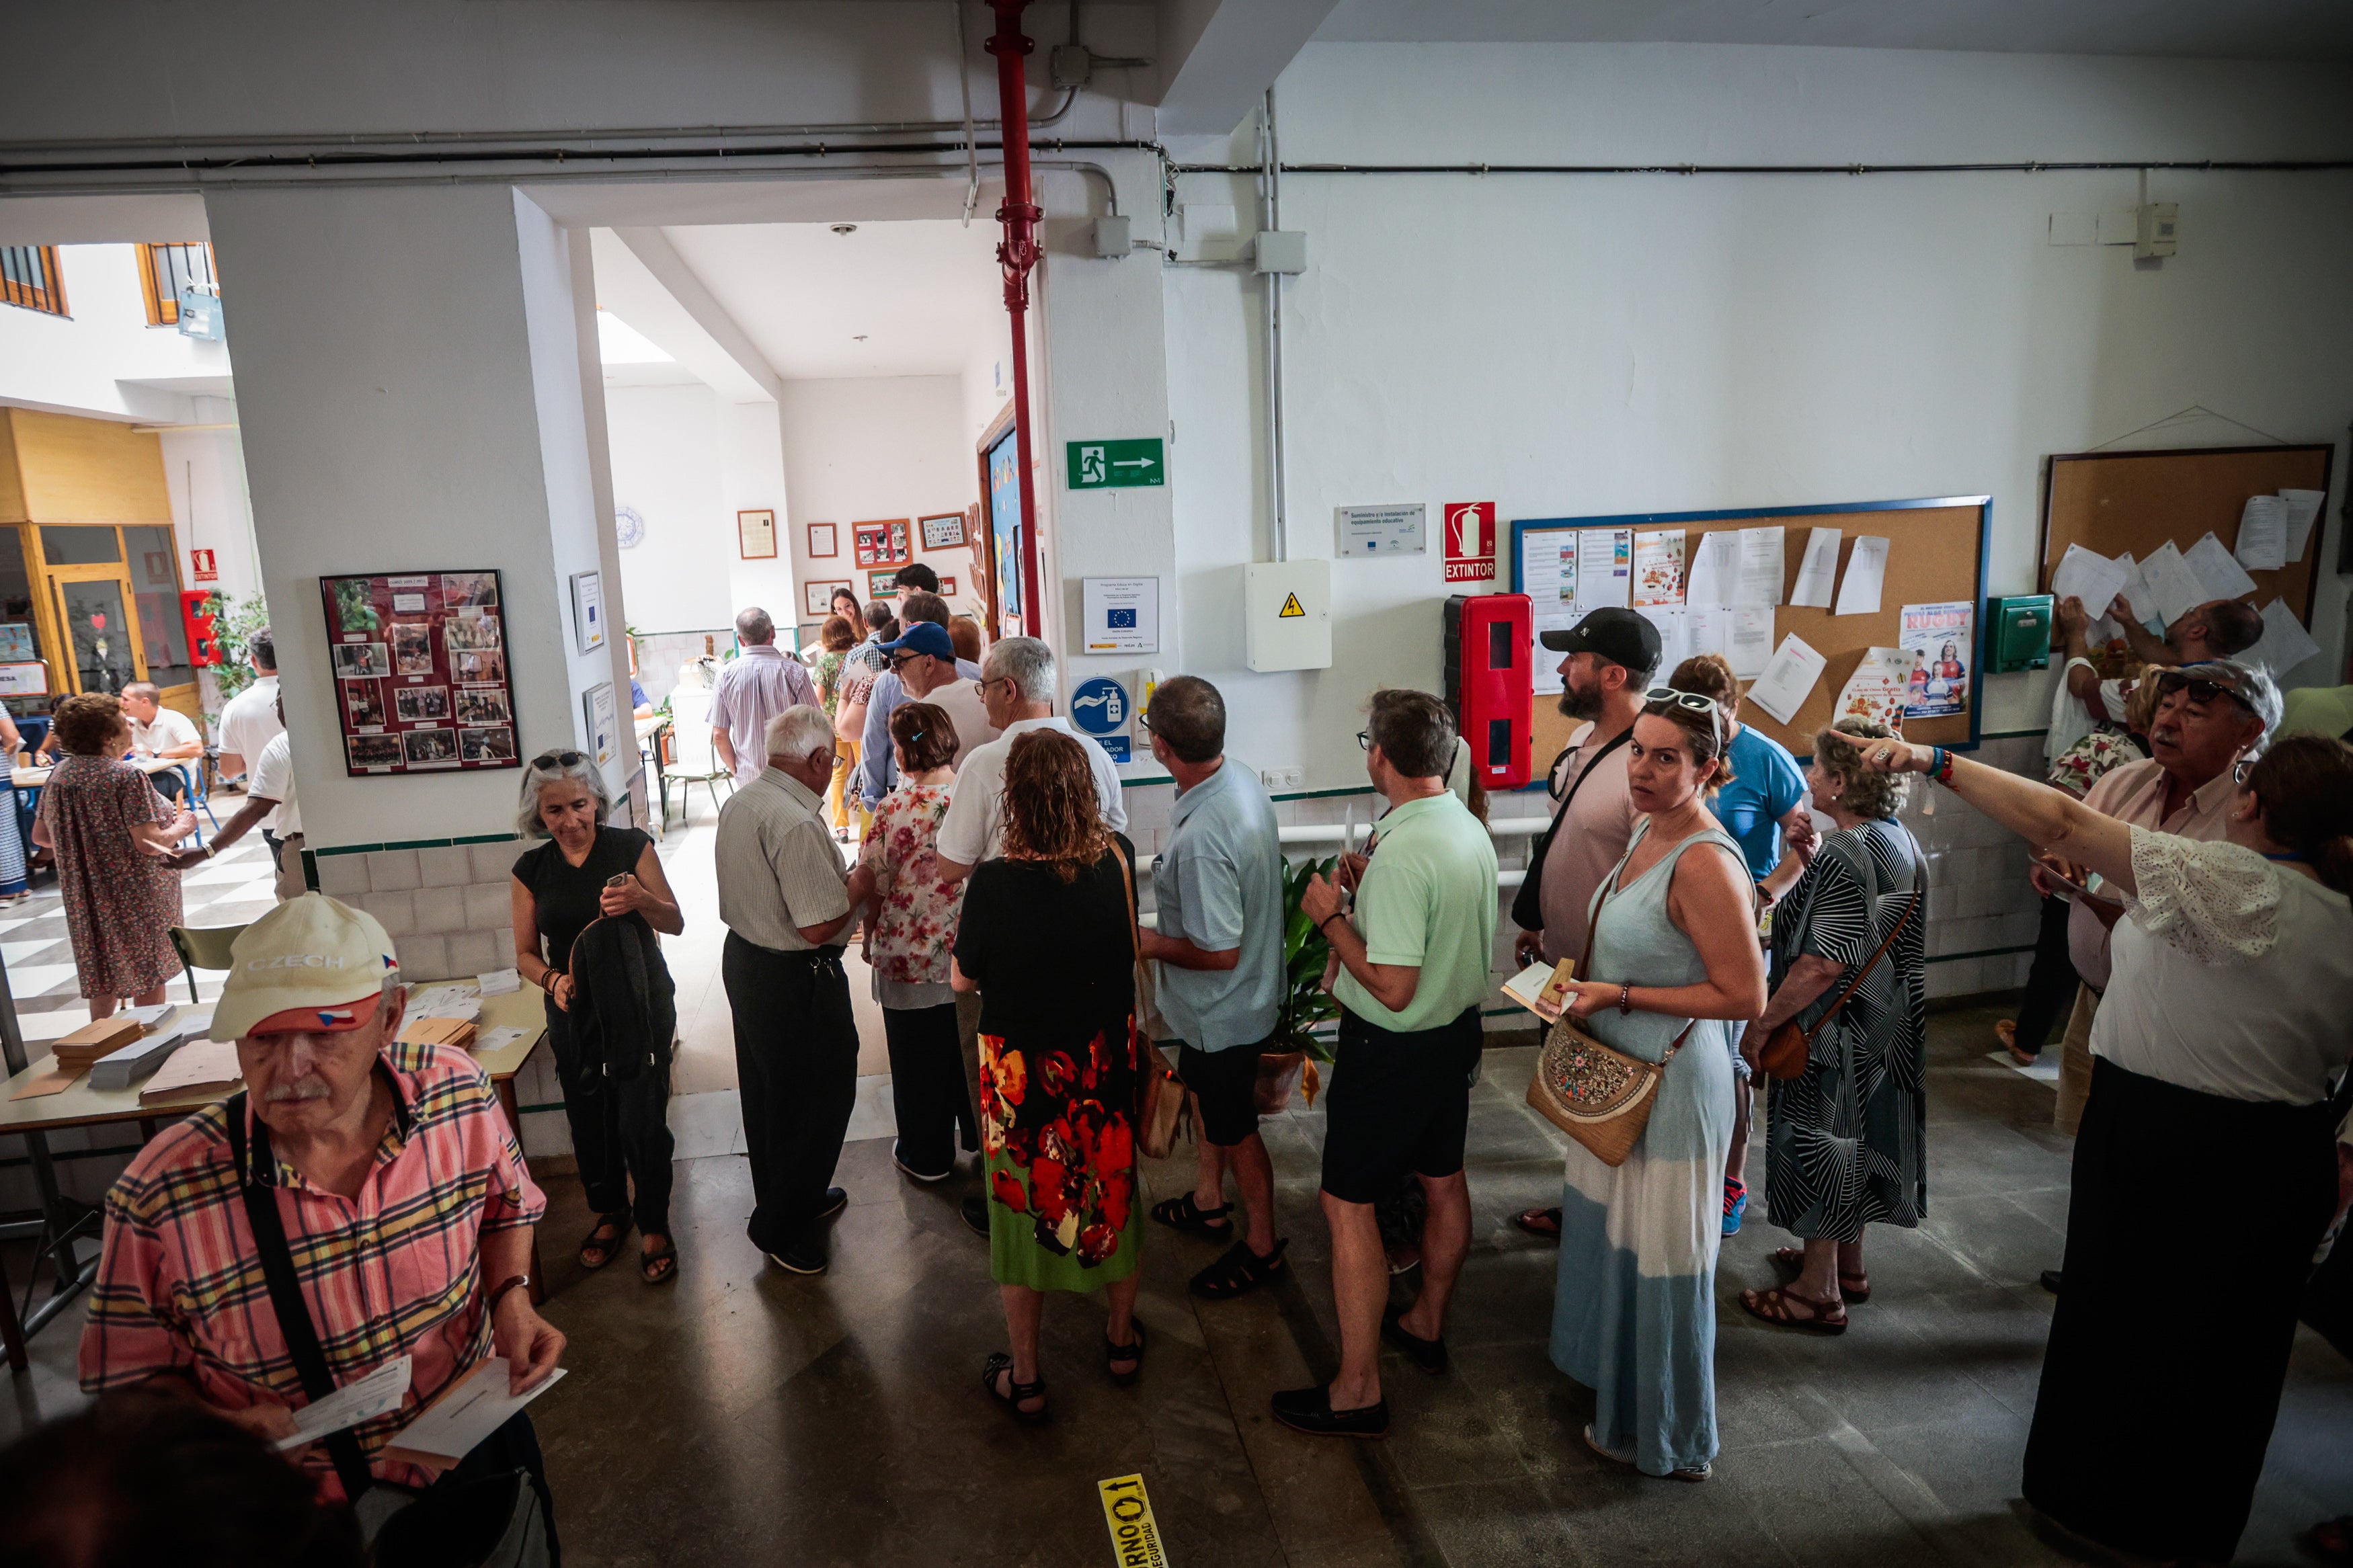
1100 709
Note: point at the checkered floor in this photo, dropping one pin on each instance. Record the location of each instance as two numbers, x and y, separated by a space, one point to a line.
232 889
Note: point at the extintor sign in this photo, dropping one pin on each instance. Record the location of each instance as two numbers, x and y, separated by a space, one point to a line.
1471 541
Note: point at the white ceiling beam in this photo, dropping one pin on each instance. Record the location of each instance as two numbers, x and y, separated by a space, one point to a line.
641 279
1217 56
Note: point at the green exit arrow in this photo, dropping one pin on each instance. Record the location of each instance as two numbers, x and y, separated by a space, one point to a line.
1103 465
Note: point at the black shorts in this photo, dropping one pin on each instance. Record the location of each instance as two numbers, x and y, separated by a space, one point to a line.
1225 1084
1399 1103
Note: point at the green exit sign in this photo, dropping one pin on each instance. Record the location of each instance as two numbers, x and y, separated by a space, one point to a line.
1101 464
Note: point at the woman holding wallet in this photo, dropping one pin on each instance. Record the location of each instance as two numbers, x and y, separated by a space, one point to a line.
1846 1139
585 871
1672 963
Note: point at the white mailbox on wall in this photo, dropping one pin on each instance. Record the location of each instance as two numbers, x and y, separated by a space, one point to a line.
1287 615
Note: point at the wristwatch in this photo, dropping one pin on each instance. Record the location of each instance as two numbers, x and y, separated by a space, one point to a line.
511 1282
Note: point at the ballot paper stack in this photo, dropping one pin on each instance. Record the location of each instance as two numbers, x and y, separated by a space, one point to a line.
197 1065
82 1050
141 1058
442 1031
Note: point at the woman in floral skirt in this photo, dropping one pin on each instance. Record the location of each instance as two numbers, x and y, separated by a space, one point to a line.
911 924
1048 939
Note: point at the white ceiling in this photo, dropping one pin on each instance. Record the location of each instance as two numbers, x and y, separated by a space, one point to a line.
923 294
2226 29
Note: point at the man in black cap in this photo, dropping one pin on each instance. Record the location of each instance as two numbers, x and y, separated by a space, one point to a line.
1612 655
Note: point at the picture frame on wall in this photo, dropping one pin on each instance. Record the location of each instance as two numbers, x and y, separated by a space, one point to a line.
888 543
415 655
882 585
943 532
947 587
816 598
824 542
755 535
588 610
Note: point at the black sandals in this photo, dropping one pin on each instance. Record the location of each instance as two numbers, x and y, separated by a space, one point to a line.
1183 1214
649 1264
1239 1270
1132 1353
604 1247
1013 1394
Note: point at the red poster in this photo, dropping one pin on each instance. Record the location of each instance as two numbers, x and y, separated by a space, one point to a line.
1469 541
206 570
420 672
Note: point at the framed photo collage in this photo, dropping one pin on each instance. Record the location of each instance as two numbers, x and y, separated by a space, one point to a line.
420 672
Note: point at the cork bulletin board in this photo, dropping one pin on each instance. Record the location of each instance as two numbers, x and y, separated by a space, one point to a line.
2115 501
1935 553
420 673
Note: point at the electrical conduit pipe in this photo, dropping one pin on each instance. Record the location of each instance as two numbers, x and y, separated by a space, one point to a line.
1016 255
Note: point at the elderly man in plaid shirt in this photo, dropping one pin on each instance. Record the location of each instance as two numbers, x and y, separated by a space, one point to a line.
397 1185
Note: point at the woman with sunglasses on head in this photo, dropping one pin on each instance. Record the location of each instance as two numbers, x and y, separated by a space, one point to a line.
586 871
1844 1139
2214 1049
1673 967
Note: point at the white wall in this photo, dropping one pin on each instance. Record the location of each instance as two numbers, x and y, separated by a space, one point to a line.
665 447
875 448
1604 345
102 358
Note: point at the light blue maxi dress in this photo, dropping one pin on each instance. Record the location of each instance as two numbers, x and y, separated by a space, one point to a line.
1634 1313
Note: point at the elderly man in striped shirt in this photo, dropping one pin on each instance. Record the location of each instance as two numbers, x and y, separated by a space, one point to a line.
750 690
362 1199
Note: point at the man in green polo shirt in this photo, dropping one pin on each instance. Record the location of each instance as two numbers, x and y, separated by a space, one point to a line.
1416 957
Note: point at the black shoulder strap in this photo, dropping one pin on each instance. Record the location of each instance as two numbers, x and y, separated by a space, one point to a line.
286 1301
1527 904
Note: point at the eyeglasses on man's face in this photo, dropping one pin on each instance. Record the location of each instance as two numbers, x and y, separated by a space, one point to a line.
1364 740
2201 693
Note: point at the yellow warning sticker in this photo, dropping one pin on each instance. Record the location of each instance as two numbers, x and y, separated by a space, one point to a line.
1127 1510
1291 607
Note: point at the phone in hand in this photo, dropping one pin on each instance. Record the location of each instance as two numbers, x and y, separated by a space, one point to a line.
620 881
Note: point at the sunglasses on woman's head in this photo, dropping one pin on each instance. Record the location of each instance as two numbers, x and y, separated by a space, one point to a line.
1694 700
550 760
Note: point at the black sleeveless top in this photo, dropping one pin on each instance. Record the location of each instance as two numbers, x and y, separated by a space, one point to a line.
566 895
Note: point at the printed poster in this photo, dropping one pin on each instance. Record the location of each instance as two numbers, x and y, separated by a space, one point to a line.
1658 567
1941 637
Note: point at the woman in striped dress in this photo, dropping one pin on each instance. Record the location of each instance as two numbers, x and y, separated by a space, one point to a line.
1844 1140
1674 962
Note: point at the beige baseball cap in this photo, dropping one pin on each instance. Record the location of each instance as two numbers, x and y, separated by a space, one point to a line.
311 963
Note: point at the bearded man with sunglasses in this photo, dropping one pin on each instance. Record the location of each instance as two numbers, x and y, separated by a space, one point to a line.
2209 716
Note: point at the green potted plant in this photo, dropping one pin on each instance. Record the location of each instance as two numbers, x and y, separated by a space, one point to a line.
1297 1045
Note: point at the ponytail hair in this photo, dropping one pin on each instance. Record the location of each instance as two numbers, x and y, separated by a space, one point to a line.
2303 785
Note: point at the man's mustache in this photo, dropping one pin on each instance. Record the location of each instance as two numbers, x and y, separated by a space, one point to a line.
309 1087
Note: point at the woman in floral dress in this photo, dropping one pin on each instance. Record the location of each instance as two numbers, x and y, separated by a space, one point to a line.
1048 940
911 924
109 830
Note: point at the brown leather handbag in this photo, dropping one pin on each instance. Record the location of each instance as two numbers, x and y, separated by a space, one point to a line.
1788 1048
1161 1103
1596 1093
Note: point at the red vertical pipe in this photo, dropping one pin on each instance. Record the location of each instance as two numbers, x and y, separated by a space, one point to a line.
1017 254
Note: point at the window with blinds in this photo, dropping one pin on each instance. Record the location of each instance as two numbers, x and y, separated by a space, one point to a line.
28 277
165 269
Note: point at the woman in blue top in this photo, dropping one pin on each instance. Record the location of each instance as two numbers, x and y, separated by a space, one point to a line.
1762 806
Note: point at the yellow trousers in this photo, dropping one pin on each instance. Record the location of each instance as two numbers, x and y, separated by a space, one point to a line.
845 796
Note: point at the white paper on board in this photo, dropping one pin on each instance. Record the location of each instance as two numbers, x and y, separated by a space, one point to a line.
1708 628
1605 569
1674 622
1748 639
2263 534
1760 566
2138 596
1788 679
2088 575
2171 584
2302 509
2218 572
2285 642
1659 567
1878 688
1715 568
1818 572
1866 576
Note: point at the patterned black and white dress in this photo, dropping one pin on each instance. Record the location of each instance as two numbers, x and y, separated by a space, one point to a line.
1845 1144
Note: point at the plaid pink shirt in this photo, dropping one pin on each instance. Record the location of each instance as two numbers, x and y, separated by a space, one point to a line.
180 1287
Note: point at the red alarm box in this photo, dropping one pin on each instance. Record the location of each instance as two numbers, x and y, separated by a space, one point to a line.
202 629
1490 682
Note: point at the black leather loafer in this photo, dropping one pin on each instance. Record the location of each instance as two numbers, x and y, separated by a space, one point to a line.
1428 1354
1310 1410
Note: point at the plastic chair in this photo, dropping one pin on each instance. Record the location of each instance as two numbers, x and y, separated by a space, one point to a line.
697 759
203 947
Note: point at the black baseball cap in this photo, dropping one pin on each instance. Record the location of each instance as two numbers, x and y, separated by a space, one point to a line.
1619 636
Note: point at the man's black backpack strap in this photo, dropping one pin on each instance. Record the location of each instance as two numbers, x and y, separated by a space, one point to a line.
286 1300
1527 904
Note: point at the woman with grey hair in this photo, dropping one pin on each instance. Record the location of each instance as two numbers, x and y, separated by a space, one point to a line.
587 870
1845 1142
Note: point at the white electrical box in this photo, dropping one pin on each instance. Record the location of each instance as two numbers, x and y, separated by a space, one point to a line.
2154 235
1280 250
1287 615
1111 238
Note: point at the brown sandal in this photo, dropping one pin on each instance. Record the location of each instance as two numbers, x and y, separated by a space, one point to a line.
607 1249
1855 1287
1773 1307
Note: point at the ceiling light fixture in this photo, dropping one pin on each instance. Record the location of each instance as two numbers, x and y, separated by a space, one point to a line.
845 229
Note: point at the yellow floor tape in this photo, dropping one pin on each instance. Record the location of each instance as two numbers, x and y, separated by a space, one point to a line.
1127 1510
